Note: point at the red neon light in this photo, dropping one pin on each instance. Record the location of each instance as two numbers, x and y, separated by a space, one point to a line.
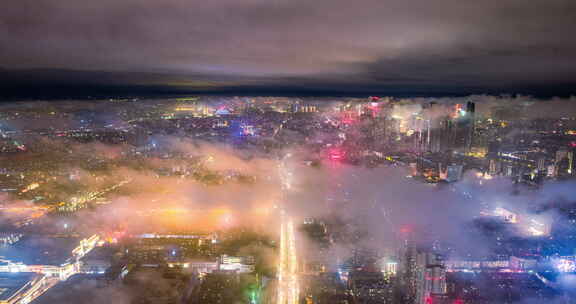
406 229
433 278
336 154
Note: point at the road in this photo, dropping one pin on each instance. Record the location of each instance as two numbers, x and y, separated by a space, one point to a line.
287 288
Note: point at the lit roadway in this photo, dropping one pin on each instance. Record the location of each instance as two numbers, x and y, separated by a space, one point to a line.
287 290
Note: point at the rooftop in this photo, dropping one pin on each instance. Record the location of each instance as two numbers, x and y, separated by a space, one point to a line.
100 253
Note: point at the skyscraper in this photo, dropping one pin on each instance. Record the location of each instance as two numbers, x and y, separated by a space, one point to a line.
422 274
465 127
564 162
471 125
451 173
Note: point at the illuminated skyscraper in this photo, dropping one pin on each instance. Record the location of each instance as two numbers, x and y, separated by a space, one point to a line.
422 275
495 167
471 117
370 287
465 127
564 162
541 165
451 173
435 277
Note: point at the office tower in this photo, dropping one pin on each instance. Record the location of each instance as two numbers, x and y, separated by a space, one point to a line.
564 163
541 165
453 172
370 287
434 278
422 275
471 117
495 167
465 127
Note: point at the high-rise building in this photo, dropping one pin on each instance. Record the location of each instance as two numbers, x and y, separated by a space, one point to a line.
561 154
465 120
370 287
570 163
564 162
471 128
422 275
451 173
509 170
435 277
494 167
410 269
434 130
541 165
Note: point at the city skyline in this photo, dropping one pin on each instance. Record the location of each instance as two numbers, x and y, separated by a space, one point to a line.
282 200
287 152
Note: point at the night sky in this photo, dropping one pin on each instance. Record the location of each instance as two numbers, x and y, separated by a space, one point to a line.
316 46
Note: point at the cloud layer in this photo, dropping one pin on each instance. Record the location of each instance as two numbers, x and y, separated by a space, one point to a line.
227 43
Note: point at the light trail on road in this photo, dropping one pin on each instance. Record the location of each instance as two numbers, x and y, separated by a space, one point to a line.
288 290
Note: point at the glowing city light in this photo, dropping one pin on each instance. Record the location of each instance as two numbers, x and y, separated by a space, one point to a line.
336 154
565 265
288 290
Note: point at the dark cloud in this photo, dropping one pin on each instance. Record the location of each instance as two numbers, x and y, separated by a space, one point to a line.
322 45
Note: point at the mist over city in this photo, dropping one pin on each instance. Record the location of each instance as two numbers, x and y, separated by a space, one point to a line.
215 199
287 152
